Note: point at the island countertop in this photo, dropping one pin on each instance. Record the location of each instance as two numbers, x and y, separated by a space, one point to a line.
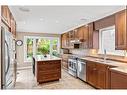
48 58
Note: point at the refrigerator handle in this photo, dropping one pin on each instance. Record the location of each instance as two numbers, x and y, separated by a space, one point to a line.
8 58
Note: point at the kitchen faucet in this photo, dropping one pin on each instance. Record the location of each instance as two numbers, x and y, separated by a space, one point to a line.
105 52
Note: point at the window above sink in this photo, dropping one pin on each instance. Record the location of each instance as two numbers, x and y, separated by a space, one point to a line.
107 42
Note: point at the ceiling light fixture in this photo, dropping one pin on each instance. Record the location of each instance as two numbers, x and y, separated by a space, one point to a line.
23 9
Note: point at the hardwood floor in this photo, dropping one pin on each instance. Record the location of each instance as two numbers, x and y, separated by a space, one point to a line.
26 80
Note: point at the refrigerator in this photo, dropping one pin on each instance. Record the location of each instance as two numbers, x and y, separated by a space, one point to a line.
8 62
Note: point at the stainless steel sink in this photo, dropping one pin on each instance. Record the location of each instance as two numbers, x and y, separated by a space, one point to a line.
101 60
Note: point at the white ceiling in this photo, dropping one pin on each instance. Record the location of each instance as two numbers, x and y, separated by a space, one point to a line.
58 19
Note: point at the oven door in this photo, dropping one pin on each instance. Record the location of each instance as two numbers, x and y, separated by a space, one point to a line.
72 67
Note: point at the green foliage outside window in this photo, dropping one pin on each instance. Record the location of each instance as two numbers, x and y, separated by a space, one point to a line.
43 46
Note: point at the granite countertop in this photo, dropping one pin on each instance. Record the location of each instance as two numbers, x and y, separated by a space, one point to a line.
120 69
119 66
48 58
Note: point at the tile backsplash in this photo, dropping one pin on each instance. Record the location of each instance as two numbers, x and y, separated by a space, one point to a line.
84 52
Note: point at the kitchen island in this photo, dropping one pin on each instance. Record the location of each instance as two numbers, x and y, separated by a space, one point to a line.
47 69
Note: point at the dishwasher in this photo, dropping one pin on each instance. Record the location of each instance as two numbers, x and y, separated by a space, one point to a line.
81 69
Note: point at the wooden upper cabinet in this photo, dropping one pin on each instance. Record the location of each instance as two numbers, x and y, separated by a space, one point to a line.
71 35
79 33
6 15
85 38
121 30
8 19
90 35
4 12
104 22
64 40
93 37
13 26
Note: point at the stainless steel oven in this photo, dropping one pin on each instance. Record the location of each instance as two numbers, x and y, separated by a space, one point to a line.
72 66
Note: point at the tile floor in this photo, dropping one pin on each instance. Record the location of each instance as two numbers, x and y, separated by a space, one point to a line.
26 80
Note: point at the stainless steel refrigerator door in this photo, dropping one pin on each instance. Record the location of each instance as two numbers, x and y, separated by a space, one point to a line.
10 66
7 64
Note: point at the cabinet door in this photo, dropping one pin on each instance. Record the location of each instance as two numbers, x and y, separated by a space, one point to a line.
8 16
85 31
4 12
71 38
72 35
121 29
91 74
118 80
101 75
64 40
80 33
13 26
93 36
90 27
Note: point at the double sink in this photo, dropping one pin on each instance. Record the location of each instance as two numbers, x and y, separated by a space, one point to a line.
102 60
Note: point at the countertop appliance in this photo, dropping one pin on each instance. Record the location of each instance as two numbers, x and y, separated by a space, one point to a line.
81 69
72 66
8 67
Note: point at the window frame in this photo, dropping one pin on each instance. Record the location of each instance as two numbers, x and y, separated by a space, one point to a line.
34 45
100 51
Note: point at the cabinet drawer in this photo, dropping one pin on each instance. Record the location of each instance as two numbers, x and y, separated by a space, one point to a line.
49 66
49 77
49 62
49 72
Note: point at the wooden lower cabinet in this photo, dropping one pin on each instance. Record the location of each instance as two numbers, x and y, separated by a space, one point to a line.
118 80
91 73
65 65
97 74
48 70
101 75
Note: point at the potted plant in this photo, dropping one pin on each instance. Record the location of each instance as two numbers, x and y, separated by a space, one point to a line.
44 50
